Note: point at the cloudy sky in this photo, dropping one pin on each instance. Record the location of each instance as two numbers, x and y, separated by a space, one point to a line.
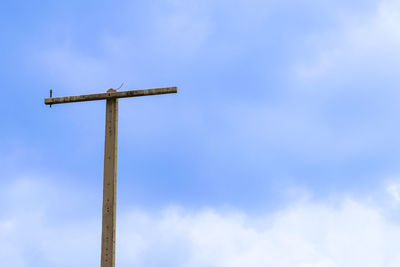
280 149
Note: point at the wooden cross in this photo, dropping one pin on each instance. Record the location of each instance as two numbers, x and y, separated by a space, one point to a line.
110 158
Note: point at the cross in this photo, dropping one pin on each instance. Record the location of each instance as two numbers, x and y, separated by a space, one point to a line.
110 158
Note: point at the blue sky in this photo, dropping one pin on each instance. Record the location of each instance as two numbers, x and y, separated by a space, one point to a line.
284 123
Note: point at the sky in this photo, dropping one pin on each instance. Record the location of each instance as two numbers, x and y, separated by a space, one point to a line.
280 149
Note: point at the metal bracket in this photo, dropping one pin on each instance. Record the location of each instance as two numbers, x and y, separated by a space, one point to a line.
51 94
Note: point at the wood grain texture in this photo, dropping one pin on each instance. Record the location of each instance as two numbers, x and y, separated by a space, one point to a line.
110 95
110 159
109 185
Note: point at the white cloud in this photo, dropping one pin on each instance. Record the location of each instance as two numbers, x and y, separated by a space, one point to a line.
394 191
305 234
363 44
345 232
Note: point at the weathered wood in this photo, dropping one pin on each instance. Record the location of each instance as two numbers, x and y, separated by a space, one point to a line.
110 159
110 95
110 185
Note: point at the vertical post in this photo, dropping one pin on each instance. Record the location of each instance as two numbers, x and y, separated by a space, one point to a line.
110 184
110 158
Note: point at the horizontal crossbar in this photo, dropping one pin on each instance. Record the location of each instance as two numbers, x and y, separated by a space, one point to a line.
110 95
